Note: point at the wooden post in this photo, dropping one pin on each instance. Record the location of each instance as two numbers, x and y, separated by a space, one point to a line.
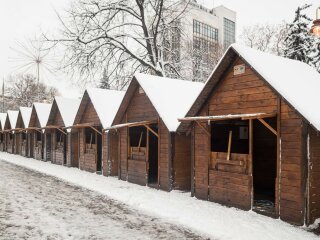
229 145
278 178
147 155
192 159
119 154
250 158
128 152
159 151
140 140
209 160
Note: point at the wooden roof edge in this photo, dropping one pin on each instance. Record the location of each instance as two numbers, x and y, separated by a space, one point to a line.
52 127
130 124
228 117
82 125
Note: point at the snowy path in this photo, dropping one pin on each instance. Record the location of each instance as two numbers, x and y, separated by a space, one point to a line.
35 206
178 208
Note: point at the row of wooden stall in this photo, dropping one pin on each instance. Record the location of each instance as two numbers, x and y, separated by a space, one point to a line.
248 137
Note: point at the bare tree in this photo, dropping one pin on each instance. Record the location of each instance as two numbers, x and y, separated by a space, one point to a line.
265 37
23 89
121 36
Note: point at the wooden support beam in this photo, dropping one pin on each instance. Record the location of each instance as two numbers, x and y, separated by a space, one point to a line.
59 129
140 140
203 128
96 130
229 145
151 130
268 126
250 160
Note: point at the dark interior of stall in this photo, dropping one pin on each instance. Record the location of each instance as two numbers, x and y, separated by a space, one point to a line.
153 155
220 133
264 154
264 165
99 150
138 146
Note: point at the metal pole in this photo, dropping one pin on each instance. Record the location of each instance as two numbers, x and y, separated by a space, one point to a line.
3 95
38 72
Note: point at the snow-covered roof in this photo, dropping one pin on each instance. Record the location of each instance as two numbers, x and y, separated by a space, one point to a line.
297 82
13 117
68 109
43 111
26 114
106 103
3 117
172 98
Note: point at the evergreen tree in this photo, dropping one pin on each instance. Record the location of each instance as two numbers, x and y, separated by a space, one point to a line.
299 42
315 54
104 82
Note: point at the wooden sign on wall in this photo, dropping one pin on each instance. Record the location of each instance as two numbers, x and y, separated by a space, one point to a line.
239 69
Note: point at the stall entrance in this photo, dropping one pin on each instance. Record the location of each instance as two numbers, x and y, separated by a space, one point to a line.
235 158
93 146
99 152
230 146
143 154
264 166
61 144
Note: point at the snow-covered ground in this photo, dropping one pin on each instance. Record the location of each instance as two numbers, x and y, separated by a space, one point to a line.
37 206
210 219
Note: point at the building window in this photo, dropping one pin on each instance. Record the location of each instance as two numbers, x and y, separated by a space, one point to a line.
229 32
205 45
205 31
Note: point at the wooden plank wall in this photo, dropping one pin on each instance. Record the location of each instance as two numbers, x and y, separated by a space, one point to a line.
314 176
232 189
110 154
292 194
2 142
105 157
201 159
247 93
182 162
87 161
75 149
123 147
57 151
165 158
140 108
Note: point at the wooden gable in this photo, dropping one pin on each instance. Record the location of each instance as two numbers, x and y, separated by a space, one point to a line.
20 123
140 107
241 94
136 106
87 113
7 124
55 118
34 120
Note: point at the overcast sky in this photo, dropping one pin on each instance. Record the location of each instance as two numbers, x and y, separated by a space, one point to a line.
22 19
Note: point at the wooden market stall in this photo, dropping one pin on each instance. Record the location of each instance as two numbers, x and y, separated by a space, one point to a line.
62 115
256 138
96 112
21 134
152 152
39 141
3 117
9 130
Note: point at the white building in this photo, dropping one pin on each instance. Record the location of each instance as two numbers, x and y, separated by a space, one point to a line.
205 34
200 21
